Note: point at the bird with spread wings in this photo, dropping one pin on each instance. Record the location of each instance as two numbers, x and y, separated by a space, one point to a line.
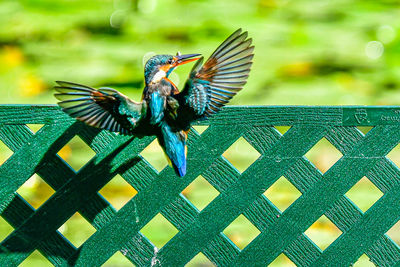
165 111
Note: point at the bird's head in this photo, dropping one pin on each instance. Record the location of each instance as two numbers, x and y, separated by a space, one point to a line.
160 66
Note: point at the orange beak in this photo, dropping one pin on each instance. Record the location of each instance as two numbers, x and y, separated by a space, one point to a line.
184 59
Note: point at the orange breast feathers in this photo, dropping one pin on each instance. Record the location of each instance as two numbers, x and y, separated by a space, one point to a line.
166 68
175 91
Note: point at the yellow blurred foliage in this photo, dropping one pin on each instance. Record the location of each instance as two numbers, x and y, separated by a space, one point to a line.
237 239
267 4
297 69
323 232
11 56
154 154
5 152
187 190
118 192
325 160
35 191
65 152
30 85
282 260
323 155
350 83
322 225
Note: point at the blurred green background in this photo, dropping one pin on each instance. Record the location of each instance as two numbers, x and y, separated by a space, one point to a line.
325 52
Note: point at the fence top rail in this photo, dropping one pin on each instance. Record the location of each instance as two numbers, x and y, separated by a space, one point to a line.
237 115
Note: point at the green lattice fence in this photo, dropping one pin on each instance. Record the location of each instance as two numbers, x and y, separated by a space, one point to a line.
239 193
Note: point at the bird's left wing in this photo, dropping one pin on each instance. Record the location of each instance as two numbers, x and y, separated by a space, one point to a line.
105 108
212 85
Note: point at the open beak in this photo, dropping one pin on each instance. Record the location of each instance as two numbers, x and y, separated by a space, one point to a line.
183 59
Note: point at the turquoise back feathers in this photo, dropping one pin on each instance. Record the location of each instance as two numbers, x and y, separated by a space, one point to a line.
156 105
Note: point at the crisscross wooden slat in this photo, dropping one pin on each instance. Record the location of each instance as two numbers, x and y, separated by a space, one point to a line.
240 193
335 184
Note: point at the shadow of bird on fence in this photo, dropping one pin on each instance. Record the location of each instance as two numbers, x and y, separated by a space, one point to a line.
75 192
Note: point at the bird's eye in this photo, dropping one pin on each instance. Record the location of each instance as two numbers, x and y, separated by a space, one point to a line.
170 61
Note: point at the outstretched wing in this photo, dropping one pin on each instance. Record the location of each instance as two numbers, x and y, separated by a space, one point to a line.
212 85
105 108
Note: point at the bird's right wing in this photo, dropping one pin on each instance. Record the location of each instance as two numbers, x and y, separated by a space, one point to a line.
212 85
105 108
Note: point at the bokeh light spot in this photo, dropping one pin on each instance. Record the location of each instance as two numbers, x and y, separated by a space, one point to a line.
374 49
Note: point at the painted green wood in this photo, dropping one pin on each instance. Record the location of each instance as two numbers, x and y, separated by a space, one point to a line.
240 193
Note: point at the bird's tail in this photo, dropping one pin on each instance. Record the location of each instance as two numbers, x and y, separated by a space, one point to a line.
174 145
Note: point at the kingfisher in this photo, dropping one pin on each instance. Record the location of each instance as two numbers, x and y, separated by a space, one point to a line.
164 111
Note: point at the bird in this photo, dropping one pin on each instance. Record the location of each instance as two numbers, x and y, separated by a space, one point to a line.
165 111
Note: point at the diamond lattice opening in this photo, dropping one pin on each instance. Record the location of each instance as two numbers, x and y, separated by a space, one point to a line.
159 231
200 260
282 260
241 232
394 233
364 194
118 192
241 154
155 155
200 128
118 259
323 232
5 229
200 192
5 152
77 230
364 129
283 129
35 127
394 155
323 155
282 193
76 153
363 261
36 259
35 191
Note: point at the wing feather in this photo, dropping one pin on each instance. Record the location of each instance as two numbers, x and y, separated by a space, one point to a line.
98 108
212 85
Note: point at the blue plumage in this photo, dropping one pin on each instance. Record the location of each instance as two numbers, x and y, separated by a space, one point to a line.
156 105
174 145
164 111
